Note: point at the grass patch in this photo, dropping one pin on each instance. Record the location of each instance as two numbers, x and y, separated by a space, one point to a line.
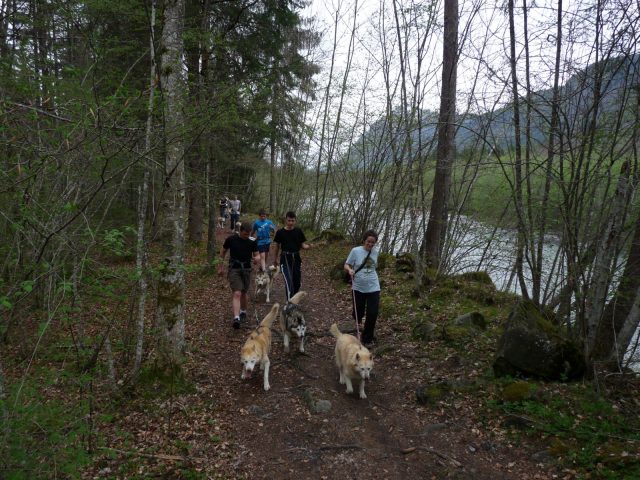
49 439
582 430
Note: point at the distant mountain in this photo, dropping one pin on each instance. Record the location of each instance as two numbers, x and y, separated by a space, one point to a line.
619 80
619 86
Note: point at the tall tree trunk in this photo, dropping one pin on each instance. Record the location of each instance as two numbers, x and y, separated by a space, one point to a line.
551 152
605 260
517 190
620 306
445 154
325 116
170 302
143 195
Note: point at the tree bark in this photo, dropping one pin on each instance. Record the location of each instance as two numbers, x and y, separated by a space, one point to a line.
445 153
170 303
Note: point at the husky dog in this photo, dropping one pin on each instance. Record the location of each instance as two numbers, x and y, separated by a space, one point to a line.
353 360
222 219
292 321
264 279
236 227
256 348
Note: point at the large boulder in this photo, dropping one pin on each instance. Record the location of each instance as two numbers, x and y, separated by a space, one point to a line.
532 345
330 236
405 262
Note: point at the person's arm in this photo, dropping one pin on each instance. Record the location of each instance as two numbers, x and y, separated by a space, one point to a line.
349 269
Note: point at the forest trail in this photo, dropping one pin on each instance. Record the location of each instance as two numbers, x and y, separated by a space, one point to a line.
232 428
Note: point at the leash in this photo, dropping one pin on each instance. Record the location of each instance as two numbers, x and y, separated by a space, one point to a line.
355 311
290 270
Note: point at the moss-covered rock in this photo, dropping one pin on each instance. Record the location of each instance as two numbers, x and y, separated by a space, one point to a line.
457 333
330 236
532 345
424 331
517 392
478 277
337 272
384 260
431 394
405 263
471 320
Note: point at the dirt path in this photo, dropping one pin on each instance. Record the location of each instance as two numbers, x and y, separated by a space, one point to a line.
232 428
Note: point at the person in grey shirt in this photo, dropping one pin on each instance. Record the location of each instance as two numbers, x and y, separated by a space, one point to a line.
235 211
361 266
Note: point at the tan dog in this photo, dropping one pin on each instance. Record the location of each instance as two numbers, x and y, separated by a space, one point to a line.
257 347
353 360
292 321
264 280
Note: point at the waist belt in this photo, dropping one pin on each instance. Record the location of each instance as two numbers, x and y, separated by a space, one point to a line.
291 253
245 265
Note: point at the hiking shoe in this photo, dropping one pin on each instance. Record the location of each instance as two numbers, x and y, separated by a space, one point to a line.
243 316
236 323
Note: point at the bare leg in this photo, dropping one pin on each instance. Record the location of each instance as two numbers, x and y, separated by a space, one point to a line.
243 300
235 303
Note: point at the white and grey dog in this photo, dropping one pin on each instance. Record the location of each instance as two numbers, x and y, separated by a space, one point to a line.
292 321
264 280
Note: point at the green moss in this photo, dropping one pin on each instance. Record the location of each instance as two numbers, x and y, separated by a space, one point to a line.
154 382
384 260
431 394
517 392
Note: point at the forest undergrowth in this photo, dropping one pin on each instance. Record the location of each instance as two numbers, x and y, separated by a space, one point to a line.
434 408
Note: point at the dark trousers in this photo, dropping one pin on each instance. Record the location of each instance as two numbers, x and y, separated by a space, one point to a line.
366 303
291 267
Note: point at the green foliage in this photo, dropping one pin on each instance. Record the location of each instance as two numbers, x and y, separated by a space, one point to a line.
583 430
35 432
154 382
114 241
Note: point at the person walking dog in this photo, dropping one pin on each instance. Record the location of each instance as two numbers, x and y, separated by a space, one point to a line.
262 230
289 241
242 250
361 266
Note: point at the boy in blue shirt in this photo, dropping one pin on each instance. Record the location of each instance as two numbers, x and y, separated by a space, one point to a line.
261 231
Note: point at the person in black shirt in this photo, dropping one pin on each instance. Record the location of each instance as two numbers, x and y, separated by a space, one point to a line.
289 241
241 251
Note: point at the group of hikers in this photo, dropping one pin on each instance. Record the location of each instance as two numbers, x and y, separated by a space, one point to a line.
230 209
251 244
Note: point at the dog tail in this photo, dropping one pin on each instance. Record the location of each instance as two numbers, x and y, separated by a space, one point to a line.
335 331
268 320
297 298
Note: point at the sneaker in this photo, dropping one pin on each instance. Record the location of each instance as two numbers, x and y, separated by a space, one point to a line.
236 323
243 316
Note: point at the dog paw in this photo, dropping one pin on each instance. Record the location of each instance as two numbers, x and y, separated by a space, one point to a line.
363 395
349 390
267 387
